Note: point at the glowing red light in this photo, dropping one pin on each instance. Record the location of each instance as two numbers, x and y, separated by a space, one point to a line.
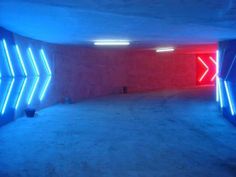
206 69
214 61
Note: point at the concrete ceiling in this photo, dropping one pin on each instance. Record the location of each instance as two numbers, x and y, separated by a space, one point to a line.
141 21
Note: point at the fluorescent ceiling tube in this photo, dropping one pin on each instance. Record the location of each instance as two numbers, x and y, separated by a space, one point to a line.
111 42
165 49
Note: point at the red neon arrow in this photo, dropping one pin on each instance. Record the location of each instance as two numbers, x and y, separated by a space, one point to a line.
207 69
215 65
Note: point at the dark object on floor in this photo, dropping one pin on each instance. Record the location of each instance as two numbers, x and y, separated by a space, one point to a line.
125 90
67 100
30 112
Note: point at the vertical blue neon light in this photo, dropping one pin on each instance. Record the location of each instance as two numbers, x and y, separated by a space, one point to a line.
229 98
36 70
43 56
220 93
21 93
42 94
8 58
7 97
21 60
33 91
217 75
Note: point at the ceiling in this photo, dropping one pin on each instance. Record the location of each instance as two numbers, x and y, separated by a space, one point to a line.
157 22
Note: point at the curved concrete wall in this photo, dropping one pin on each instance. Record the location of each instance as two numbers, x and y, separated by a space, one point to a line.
89 72
85 72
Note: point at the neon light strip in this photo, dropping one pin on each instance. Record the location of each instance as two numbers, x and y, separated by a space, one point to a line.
45 62
212 60
33 91
217 90
165 49
229 98
21 93
217 75
7 97
220 93
8 58
111 42
207 69
45 88
212 79
217 61
33 61
21 60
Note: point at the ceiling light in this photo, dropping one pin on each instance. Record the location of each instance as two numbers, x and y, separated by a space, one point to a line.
111 42
165 49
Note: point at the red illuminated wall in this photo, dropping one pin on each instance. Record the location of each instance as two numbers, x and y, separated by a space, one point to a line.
90 72
83 72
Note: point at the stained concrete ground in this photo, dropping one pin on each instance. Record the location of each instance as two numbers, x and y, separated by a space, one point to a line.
165 134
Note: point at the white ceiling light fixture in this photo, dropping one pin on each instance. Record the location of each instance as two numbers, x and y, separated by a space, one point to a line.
111 42
165 49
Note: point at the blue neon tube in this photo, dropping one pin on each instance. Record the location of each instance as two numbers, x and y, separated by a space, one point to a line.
43 56
21 60
36 70
21 93
8 58
45 87
8 96
229 98
33 91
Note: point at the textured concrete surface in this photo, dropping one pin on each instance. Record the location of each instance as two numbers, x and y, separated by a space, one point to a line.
150 21
107 71
85 72
166 134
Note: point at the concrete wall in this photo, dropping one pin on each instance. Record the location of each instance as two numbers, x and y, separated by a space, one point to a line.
85 72
90 72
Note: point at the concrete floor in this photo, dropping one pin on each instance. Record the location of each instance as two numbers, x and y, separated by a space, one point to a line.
168 134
